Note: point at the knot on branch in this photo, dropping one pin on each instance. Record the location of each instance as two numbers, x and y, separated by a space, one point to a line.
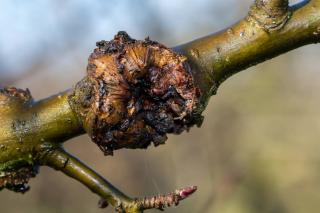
270 14
17 179
135 92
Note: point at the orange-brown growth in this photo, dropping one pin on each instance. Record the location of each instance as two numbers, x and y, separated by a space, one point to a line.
135 92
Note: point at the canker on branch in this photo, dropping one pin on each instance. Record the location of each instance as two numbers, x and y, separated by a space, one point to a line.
135 92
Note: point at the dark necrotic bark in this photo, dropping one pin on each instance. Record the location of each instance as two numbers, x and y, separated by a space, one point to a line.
135 92
17 179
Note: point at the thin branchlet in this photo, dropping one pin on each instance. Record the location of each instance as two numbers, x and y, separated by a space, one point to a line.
155 202
162 201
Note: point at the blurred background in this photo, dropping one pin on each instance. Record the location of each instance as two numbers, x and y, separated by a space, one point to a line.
257 150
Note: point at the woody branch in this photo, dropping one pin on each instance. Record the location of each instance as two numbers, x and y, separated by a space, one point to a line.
32 133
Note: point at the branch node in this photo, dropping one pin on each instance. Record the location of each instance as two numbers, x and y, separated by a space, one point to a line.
270 15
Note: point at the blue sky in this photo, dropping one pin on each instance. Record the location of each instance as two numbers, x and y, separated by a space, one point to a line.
38 29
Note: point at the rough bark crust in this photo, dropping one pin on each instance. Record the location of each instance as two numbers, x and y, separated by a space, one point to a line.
17 179
135 92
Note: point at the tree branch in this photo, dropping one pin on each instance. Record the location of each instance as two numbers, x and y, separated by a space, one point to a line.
26 125
136 92
251 41
71 166
62 161
270 14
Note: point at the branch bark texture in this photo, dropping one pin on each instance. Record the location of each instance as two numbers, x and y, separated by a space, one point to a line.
251 41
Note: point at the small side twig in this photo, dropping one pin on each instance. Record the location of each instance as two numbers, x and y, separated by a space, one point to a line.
170 199
60 160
